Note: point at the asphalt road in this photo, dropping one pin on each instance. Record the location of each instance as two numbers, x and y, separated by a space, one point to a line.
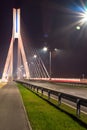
12 113
76 91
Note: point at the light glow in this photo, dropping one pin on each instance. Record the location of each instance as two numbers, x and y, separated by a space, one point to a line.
35 56
78 27
84 17
45 49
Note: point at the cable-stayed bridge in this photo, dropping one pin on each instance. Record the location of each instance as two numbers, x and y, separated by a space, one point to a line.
31 68
20 65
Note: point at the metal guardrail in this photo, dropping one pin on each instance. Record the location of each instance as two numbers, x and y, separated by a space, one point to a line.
78 100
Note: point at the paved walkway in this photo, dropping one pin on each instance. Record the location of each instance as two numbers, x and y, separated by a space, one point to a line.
12 113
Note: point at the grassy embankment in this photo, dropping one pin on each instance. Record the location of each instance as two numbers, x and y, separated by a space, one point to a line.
44 116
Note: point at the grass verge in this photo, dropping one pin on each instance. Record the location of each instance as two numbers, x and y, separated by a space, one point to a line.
44 116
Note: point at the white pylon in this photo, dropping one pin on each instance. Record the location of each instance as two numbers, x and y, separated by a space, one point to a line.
8 68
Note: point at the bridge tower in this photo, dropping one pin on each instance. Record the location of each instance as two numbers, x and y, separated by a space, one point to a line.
21 56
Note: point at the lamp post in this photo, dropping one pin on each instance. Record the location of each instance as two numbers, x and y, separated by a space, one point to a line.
50 58
45 49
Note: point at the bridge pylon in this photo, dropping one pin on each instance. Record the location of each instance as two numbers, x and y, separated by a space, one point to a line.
21 56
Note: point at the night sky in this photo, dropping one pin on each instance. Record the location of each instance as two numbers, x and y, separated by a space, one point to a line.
51 23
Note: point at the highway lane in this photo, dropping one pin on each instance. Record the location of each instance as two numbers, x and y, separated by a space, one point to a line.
76 91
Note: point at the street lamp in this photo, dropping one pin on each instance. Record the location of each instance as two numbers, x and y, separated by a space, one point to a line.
35 56
82 15
50 63
45 49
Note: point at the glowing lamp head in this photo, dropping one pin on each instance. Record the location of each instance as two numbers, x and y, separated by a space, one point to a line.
45 49
35 56
78 27
85 16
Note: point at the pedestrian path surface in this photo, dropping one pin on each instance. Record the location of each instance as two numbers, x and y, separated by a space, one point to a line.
12 113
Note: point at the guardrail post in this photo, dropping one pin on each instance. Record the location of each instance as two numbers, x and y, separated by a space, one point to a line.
48 94
28 85
59 98
78 107
37 89
42 91
31 87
